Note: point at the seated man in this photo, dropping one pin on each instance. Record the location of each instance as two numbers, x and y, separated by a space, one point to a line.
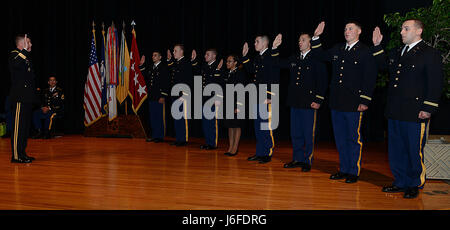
52 106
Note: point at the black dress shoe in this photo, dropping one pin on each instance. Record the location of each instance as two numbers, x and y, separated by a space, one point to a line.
338 176
253 158
231 154
294 164
392 189
411 193
351 179
306 168
149 140
174 143
30 158
208 147
158 140
20 160
265 159
180 144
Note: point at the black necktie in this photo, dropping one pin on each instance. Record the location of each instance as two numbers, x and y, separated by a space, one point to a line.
347 49
405 50
301 57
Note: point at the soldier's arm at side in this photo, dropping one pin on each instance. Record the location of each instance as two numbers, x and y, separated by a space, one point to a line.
433 82
369 79
321 82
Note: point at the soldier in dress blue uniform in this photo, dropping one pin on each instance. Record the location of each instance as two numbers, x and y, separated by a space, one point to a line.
157 80
415 87
207 70
306 92
180 69
264 68
52 105
352 83
22 95
233 75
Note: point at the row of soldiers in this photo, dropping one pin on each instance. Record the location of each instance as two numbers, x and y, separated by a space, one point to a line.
414 89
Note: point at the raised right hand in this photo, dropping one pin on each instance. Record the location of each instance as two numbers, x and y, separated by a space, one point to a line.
169 55
319 29
377 37
245 50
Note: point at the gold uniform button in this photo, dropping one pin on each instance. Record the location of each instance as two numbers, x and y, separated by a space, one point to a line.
417 98
356 62
340 81
396 78
395 86
343 61
399 65
298 73
398 72
342 67
340 75
296 83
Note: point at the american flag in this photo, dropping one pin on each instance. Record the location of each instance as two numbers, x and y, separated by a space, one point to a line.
92 89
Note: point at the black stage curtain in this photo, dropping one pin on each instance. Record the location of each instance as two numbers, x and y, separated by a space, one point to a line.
61 34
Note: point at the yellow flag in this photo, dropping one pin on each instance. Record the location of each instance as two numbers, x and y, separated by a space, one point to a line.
124 70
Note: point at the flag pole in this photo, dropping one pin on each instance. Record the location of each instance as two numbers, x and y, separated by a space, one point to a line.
93 33
126 102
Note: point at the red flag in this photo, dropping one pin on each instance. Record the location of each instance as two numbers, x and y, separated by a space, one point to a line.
138 89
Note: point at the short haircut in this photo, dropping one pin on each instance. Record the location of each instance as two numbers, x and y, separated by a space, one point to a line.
158 52
305 33
179 45
418 23
356 23
264 38
212 50
52 77
20 37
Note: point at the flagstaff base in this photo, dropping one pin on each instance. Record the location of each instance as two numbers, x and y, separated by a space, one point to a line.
126 126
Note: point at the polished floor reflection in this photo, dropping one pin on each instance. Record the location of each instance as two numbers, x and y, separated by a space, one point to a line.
74 172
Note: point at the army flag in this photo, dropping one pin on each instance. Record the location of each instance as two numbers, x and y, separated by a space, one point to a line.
138 89
111 71
124 66
92 88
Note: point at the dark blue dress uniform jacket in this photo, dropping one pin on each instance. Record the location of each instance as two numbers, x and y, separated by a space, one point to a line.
157 81
23 86
415 82
353 76
308 81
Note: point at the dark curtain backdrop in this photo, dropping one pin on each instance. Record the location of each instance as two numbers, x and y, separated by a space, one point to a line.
61 33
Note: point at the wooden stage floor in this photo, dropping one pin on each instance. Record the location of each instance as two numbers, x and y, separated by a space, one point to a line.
78 173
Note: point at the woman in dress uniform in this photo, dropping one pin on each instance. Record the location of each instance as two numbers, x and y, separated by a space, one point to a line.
232 76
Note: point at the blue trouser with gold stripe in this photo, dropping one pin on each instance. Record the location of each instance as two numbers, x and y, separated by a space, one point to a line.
210 129
182 125
38 115
303 126
157 119
20 128
347 134
405 146
265 142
